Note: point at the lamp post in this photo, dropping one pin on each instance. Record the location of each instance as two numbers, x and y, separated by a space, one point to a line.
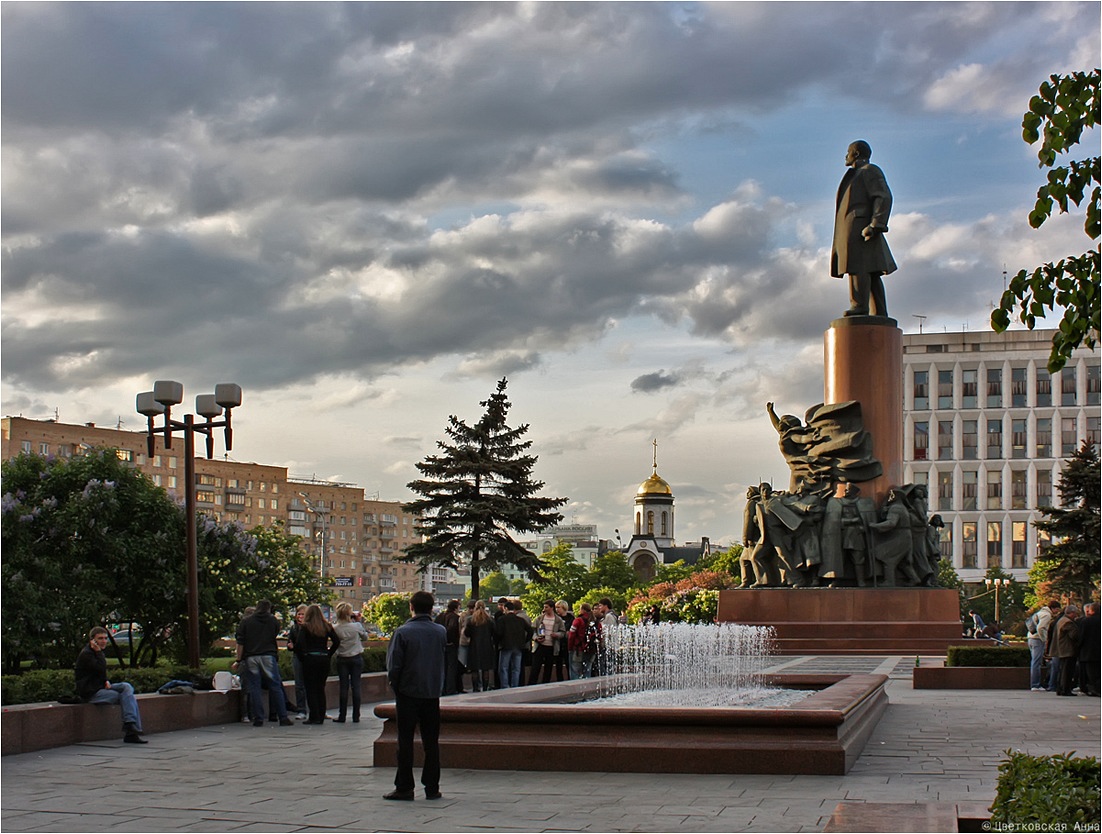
996 584
159 401
319 514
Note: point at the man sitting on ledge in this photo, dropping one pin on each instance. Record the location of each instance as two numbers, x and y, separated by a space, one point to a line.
94 688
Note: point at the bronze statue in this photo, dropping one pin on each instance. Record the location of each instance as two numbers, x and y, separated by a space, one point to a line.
860 222
831 448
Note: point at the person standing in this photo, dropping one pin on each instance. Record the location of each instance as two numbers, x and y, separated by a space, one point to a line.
257 653
550 631
464 647
860 252
1089 638
562 659
480 651
609 621
512 634
583 641
350 660
1067 648
449 618
415 671
296 663
317 643
93 687
1037 625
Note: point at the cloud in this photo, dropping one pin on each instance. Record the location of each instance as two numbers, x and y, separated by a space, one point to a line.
648 383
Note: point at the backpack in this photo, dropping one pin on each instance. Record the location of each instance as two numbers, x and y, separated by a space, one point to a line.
592 640
1031 624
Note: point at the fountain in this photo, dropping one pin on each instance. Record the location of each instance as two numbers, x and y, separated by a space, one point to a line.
580 725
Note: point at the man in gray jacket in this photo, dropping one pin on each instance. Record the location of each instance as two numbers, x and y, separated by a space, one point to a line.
415 671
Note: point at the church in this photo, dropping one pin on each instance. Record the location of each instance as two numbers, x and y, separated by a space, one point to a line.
652 540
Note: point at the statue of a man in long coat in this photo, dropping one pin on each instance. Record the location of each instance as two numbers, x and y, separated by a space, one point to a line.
860 222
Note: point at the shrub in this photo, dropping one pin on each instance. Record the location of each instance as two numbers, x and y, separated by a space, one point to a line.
1046 793
987 656
41 685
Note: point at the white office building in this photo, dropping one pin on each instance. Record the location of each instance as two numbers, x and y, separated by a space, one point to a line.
988 429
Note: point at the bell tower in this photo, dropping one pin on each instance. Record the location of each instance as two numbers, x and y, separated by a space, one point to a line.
654 508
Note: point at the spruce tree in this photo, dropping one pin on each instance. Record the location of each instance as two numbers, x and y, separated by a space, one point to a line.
1071 565
475 492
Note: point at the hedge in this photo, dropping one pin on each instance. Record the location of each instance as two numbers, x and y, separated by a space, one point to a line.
40 685
1046 793
987 656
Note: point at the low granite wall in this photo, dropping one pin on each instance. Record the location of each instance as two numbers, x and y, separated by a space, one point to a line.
29 727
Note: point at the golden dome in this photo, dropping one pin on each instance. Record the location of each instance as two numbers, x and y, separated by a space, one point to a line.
654 485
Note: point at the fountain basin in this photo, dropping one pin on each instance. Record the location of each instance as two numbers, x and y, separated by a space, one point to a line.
536 728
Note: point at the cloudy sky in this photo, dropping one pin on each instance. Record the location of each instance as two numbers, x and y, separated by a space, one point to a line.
366 214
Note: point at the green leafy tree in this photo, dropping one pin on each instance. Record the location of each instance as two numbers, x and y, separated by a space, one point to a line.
476 492
673 572
723 560
947 577
1071 565
1011 601
611 570
562 577
495 585
387 611
87 540
620 598
1065 106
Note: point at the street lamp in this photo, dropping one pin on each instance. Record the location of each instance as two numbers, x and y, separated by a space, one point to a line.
996 583
159 401
319 514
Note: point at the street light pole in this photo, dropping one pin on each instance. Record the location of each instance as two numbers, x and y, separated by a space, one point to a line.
996 583
159 401
319 514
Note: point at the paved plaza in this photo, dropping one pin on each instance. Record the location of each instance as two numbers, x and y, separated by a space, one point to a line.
941 746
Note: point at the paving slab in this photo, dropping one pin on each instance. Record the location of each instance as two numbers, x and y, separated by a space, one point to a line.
931 745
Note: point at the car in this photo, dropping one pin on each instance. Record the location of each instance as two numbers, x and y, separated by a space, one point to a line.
124 637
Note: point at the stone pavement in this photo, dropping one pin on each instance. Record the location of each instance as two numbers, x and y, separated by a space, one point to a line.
930 746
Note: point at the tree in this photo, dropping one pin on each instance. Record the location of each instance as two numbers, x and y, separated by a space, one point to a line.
562 577
611 570
87 540
1011 601
495 585
387 611
1064 107
475 492
1071 565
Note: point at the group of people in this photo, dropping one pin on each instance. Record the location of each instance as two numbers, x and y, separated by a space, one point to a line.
313 641
557 645
1070 641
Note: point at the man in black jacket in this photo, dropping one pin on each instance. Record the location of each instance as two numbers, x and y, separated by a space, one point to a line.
94 688
415 671
258 660
512 634
1089 650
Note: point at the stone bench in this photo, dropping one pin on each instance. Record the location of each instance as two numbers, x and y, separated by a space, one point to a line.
29 727
908 816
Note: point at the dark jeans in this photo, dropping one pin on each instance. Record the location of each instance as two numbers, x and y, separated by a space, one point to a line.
412 713
350 671
451 668
1067 676
315 670
300 685
543 664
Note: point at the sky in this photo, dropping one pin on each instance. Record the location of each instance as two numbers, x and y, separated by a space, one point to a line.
367 214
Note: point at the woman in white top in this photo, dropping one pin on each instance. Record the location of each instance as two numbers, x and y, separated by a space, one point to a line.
350 660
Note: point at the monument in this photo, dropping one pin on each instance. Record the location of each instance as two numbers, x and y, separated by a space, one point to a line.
846 524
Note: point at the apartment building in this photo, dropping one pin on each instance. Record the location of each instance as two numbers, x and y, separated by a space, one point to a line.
359 537
987 429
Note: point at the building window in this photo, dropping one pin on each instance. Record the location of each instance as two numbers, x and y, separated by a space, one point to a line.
1044 542
650 522
945 542
44 450
994 387
995 490
1044 437
994 544
1017 545
26 447
994 439
1068 442
968 545
1018 489
156 480
1044 388
665 524
172 482
969 439
969 389
922 390
1017 387
921 440
1067 386
945 491
1094 429
1044 487
945 440
204 496
920 478
968 489
1094 384
1018 438
945 389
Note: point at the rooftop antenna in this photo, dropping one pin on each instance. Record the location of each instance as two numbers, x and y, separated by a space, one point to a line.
921 320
